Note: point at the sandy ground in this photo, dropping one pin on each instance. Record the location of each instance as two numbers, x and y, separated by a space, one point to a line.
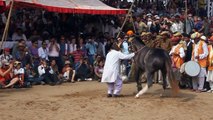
88 101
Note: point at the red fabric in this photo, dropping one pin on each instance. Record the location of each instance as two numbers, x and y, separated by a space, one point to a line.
77 55
2 3
6 77
76 8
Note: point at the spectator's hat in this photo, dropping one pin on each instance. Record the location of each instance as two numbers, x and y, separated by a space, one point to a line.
16 63
143 33
159 37
130 32
67 62
7 49
177 34
165 33
148 33
195 35
203 38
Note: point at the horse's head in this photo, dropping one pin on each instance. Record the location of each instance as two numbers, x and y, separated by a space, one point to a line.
135 43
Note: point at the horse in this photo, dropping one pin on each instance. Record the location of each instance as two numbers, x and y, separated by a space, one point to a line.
151 60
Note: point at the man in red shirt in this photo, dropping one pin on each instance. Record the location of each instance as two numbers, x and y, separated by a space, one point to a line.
78 54
5 71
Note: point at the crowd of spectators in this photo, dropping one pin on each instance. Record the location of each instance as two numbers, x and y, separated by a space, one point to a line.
53 48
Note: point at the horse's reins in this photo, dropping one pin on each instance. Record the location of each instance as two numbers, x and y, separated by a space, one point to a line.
140 49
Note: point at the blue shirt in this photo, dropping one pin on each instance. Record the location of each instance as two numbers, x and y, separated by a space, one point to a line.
125 47
91 47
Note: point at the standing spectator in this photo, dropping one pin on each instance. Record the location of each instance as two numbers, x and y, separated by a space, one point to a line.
108 45
34 53
198 24
177 25
178 55
91 47
189 24
18 35
53 51
189 43
43 51
77 54
72 46
210 66
199 54
64 50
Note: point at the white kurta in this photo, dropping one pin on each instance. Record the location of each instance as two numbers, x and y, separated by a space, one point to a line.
112 64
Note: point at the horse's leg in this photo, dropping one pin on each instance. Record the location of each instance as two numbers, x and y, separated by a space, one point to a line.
137 78
148 85
136 72
164 74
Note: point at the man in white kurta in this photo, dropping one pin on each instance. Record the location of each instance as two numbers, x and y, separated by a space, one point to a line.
111 71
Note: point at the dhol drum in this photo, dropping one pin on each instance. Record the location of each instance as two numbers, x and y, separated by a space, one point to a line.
191 68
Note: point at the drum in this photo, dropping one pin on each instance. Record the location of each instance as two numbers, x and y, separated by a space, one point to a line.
190 68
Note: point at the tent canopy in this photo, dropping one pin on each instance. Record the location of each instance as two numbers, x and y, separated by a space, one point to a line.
71 6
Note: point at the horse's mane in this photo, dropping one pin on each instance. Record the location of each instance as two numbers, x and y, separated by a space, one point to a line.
138 39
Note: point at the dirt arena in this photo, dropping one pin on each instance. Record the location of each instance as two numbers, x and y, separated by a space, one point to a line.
88 101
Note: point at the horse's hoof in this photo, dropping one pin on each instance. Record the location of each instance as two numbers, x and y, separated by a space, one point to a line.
136 96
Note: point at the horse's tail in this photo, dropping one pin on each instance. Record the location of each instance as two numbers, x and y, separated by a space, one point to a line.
173 82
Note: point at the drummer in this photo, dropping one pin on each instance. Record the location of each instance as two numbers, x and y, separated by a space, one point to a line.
210 65
177 53
199 54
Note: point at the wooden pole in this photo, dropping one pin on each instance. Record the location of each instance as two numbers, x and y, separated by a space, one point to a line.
186 12
4 36
129 12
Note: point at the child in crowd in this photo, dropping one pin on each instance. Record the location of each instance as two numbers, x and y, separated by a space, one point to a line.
99 70
68 72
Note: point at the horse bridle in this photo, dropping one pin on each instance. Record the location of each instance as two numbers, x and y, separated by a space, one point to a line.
131 45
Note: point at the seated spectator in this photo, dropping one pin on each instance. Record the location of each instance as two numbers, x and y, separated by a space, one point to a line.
97 60
68 72
44 72
5 70
6 55
55 72
22 54
99 70
83 70
17 76
31 75
34 53
16 46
